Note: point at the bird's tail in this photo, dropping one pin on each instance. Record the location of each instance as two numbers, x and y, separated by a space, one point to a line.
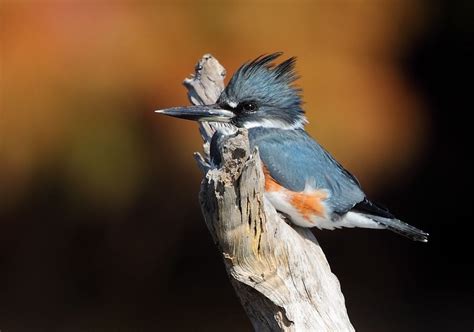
400 227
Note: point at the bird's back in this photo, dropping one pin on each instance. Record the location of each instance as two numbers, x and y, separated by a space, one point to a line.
297 162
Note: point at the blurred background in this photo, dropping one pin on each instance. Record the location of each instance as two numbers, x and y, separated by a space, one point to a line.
100 227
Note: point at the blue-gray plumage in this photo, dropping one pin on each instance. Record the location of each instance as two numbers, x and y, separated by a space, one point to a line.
269 90
302 179
295 161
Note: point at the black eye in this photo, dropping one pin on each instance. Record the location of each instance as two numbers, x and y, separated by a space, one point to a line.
249 106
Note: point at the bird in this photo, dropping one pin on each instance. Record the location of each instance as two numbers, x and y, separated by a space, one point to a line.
302 180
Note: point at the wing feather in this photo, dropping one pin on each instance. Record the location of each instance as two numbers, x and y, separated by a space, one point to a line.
296 161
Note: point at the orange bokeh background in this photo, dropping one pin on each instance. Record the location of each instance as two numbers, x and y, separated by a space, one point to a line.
78 75
99 221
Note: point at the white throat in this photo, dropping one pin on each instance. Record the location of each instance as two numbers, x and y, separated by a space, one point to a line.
268 123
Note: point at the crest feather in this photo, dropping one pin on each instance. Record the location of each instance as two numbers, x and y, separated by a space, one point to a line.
263 81
272 88
283 71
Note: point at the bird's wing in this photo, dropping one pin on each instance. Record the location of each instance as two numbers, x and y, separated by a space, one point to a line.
296 161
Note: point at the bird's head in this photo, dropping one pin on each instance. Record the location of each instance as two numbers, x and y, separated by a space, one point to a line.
260 94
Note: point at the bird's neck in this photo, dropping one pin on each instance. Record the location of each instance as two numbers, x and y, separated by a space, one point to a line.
276 124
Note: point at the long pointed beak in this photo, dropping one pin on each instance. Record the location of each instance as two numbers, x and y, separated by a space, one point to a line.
212 113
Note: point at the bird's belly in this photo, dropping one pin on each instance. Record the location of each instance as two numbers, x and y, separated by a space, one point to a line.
306 208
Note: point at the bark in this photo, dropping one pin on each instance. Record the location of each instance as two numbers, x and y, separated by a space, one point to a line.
278 271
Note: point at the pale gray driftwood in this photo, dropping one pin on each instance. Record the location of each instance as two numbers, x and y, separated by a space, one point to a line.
278 271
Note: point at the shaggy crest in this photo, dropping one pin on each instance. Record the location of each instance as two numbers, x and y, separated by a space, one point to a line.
270 86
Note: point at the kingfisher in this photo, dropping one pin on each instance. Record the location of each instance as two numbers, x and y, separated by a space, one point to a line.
302 180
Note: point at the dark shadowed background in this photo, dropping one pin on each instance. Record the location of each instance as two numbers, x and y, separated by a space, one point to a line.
100 228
